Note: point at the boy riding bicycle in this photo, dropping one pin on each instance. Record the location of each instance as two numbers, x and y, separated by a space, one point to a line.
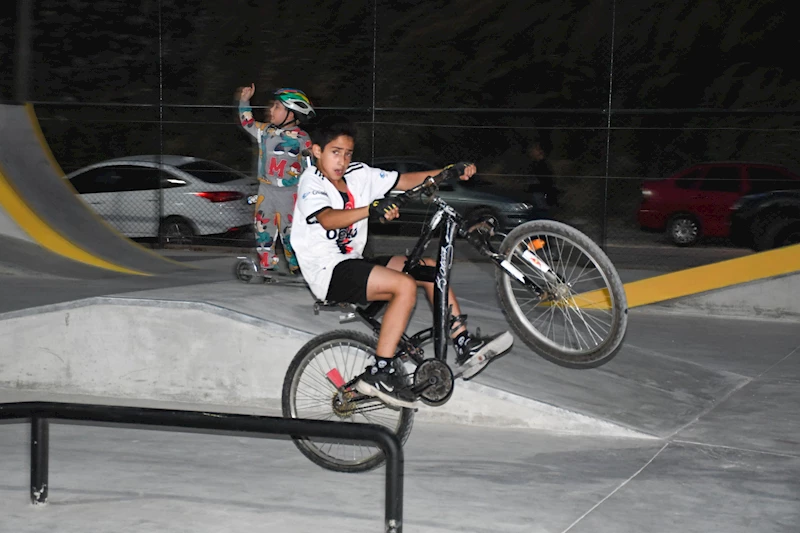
280 143
335 200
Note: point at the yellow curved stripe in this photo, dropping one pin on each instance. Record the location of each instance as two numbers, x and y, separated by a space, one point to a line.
700 279
43 234
37 129
599 299
714 276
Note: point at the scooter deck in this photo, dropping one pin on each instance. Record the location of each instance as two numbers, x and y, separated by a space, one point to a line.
247 271
280 278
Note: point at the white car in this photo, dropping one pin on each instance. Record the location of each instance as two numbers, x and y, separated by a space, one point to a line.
200 197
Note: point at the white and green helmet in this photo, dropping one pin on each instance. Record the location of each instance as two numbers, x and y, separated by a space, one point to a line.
296 100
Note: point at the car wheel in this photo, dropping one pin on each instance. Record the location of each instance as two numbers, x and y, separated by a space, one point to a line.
176 230
778 234
683 230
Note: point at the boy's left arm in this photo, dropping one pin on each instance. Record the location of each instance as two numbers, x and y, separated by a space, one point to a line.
409 180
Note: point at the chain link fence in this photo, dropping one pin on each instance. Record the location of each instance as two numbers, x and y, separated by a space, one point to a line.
613 93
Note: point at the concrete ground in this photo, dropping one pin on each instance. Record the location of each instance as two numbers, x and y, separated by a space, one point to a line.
713 400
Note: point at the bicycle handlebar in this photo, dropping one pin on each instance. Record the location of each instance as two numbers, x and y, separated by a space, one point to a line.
431 182
426 187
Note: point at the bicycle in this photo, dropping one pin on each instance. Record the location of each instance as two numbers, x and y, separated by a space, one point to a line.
557 288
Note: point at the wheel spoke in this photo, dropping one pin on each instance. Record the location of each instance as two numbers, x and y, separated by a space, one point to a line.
313 395
580 312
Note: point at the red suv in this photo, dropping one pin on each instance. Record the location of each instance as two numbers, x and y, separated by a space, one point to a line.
696 201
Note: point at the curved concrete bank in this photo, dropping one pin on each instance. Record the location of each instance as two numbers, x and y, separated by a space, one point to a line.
707 280
42 204
23 256
151 350
776 297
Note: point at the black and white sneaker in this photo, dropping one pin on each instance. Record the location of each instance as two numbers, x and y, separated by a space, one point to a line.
383 381
476 354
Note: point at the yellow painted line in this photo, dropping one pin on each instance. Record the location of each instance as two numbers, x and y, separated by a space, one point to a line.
43 234
700 279
599 299
714 276
37 129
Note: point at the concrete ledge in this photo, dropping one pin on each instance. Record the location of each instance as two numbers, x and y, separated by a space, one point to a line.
150 350
774 298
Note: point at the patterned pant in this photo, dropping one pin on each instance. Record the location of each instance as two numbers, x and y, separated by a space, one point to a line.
273 221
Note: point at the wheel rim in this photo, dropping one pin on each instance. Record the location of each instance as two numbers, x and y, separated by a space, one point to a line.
684 230
177 233
313 396
245 271
577 315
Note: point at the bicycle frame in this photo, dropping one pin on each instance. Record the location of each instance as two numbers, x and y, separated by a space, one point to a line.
440 276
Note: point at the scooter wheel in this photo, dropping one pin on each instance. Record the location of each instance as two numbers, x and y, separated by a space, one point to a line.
245 270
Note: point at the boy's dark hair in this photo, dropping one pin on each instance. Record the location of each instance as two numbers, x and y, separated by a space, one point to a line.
330 127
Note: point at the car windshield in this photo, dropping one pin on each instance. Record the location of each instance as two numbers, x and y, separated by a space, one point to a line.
211 172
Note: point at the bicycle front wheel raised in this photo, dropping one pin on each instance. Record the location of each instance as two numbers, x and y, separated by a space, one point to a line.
310 391
580 317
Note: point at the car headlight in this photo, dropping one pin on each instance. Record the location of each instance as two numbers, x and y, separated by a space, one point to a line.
521 206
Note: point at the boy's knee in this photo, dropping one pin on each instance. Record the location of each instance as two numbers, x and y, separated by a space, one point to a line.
406 285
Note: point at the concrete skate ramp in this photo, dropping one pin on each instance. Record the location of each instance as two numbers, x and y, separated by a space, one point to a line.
775 297
724 274
180 351
24 257
43 206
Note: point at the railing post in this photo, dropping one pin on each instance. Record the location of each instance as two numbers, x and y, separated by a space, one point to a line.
393 451
40 451
40 413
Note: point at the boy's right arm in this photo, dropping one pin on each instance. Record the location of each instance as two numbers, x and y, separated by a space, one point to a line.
314 205
384 208
341 218
250 125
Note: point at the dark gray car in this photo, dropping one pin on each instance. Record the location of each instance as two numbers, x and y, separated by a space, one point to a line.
469 198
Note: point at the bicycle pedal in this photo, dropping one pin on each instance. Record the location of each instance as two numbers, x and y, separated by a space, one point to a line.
349 317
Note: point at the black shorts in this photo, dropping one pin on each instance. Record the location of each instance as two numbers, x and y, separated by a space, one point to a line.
349 279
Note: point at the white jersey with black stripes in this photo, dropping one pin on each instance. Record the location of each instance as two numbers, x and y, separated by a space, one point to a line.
319 250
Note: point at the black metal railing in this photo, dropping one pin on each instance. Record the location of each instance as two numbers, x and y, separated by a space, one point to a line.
41 412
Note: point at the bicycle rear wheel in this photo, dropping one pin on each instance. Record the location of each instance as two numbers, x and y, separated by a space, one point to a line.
579 320
309 392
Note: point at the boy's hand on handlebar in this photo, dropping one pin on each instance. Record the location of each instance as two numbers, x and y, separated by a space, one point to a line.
385 209
464 169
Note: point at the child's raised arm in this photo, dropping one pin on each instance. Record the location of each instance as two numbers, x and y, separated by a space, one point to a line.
244 94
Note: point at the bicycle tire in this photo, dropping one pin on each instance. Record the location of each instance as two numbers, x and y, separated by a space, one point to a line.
564 250
349 352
